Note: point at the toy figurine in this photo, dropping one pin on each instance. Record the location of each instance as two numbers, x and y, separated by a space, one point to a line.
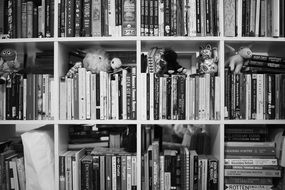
8 63
208 59
238 58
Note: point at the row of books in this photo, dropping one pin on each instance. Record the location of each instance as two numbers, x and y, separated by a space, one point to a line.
254 96
27 97
180 97
12 168
99 96
102 168
26 19
178 169
179 18
97 18
264 18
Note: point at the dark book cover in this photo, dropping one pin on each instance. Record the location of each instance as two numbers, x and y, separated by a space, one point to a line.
62 18
208 18
146 18
96 172
272 95
168 98
155 18
167 18
98 103
134 93
181 97
173 13
108 171
198 17
129 95
212 97
156 97
76 97
47 18
150 15
2 3
61 172
9 98
70 18
52 18
35 22
86 173
118 172
78 18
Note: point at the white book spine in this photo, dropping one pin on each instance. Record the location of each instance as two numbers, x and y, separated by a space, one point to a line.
161 17
52 99
167 181
192 98
93 96
207 96
72 98
82 93
114 177
257 18
69 101
63 102
111 17
102 87
259 97
275 18
161 159
248 186
24 100
88 95
239 18
192 18
129 172
151 96
248 97
160 98
187 98
273 162
144 96
134 171
124 93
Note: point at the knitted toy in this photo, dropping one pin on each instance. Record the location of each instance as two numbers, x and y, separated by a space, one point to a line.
8 63
167 63
238 58
96 60
208 59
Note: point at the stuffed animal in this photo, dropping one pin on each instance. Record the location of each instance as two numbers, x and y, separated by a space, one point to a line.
167 63
238 58
208 59
8 63
96 60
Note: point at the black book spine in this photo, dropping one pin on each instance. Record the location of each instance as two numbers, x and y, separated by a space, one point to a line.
198 17
142 18
168 98
243 17
35 22
70 30
271 88
97 96
156 97
47 18
78 18
167 18
51 21
150 8
8 98
118 172
247 18
96 172
62 18
253 96
208 17
181 97
129 95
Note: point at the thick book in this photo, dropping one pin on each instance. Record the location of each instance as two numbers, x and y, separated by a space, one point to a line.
253 161
252 173
129 24
246 186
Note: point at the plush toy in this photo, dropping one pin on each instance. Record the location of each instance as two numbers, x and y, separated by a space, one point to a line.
8 63
238 58
96 60
208 59
167 63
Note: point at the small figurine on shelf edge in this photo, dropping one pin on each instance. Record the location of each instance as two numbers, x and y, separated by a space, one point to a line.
8 63
238 58
96 60
208 60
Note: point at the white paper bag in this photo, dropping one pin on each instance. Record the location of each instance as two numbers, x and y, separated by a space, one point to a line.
39 158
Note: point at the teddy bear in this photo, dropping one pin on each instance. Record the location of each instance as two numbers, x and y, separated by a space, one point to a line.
237 59
167 63
8 63
207 60
96 60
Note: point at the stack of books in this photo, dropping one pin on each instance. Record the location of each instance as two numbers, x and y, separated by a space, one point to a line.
250 161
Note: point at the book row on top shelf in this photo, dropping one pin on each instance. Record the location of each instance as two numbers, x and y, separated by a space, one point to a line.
96 18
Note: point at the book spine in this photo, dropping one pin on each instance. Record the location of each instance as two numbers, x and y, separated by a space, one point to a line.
134 94
229 13
96 18
96 172
198 17
30 5
253 173
124 172
167 18
250 151
275 18
129 172
155 18
129 18
129 95
70 16
78 18
61 173
246 186
108 178
86 174
102 173
134 172
250 161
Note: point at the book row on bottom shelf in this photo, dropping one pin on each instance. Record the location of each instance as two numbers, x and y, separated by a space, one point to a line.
172 157
254 157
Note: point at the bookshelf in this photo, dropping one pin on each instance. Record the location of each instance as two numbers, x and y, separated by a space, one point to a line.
141 44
